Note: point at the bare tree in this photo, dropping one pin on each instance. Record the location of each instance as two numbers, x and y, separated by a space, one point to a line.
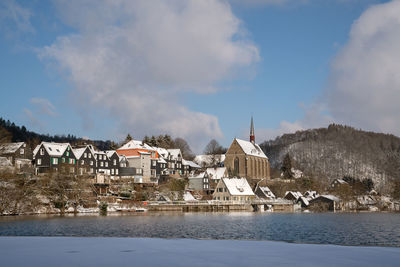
184 147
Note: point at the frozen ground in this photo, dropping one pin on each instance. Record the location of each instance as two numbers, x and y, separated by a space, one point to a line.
79 251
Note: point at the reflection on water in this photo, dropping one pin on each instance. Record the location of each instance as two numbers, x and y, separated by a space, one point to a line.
379 229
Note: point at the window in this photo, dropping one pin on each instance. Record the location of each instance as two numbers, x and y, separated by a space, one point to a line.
71 161
55 161
112 171
63 160
67 153
22 151
90 156
106 164
115 162
153 154
39 162
236 166
116 171
220 190
139 171
91 163
82 162
85 155
101 164
153 163
42 151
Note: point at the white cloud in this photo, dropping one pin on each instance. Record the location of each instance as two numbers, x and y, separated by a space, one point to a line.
314 117
270 2
43 106
14 18
364 84
40 107
136 58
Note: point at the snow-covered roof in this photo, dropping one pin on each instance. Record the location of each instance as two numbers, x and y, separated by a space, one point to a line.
311 194
296 195
110 153
8 148
190 163
330 197
135 144
251 149
53 149
200 175
304 200
206 160
188 197
216 173
162 152
175 153
161 160
267 192
79 151
238 186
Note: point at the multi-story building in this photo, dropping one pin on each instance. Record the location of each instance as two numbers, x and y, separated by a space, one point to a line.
85 160
54 157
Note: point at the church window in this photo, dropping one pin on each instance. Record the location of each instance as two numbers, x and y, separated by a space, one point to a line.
236 166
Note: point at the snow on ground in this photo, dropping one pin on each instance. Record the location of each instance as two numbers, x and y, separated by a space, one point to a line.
94 251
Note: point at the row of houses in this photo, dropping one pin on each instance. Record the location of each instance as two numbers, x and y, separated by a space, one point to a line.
135 159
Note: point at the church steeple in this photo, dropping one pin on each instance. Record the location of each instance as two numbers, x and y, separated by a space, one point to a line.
252 135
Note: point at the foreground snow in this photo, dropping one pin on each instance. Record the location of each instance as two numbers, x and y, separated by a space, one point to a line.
74 251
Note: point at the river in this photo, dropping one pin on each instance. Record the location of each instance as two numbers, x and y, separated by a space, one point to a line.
353 229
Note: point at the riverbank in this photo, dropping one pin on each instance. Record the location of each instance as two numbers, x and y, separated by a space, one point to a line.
95 251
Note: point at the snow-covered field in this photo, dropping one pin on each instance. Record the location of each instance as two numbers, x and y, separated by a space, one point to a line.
79 251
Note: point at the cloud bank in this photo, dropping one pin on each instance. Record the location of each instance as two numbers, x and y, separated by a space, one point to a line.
364 84
135 58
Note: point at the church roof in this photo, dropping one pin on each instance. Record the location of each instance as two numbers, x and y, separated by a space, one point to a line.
251 149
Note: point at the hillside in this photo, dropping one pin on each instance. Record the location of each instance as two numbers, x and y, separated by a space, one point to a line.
9 132
339 151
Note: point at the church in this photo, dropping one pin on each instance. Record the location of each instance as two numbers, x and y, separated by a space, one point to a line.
246 159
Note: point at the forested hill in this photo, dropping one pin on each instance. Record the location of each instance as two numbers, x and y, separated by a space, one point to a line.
339 151
9 132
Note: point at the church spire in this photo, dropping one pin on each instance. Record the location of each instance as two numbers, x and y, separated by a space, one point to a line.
252 135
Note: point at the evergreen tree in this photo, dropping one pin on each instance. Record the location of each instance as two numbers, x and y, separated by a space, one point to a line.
287 167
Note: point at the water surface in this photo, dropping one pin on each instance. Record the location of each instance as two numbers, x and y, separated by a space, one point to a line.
371 229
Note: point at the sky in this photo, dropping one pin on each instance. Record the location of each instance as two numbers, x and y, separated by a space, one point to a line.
101 69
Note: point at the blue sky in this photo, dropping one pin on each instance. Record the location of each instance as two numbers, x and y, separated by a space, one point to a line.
98 70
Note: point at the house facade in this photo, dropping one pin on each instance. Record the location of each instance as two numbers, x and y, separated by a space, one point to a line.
233 189
54 157
17 153
85 160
